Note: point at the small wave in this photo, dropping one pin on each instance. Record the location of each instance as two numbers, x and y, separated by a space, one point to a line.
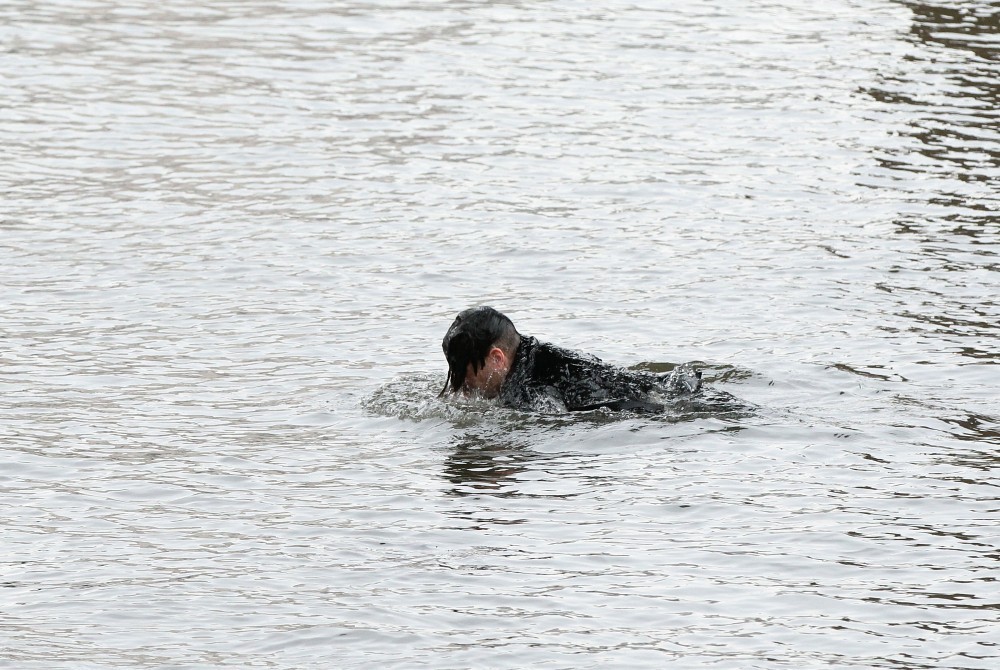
711 373
415 398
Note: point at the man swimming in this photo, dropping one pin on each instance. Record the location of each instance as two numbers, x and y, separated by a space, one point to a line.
488 357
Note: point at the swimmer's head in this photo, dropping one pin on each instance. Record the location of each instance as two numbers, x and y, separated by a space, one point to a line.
480 347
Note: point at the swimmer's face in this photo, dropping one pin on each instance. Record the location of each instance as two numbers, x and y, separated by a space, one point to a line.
488 380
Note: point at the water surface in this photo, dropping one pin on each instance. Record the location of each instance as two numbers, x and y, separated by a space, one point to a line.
232 235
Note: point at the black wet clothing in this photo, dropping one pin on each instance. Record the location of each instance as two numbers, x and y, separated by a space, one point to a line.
547 377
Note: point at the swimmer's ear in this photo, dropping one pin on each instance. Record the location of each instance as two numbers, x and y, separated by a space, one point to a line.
498 357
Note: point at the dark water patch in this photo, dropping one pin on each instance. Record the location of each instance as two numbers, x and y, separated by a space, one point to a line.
972 427
944 95
870 372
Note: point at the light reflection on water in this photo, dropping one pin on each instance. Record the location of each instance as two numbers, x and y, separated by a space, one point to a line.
233 233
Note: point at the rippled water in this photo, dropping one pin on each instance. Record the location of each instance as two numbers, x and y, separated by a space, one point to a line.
233 233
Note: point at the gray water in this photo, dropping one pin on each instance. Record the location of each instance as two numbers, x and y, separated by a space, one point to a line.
232 235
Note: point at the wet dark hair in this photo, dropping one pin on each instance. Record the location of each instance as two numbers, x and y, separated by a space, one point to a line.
471 336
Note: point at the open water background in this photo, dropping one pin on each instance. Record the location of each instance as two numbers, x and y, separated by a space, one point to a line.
233 233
